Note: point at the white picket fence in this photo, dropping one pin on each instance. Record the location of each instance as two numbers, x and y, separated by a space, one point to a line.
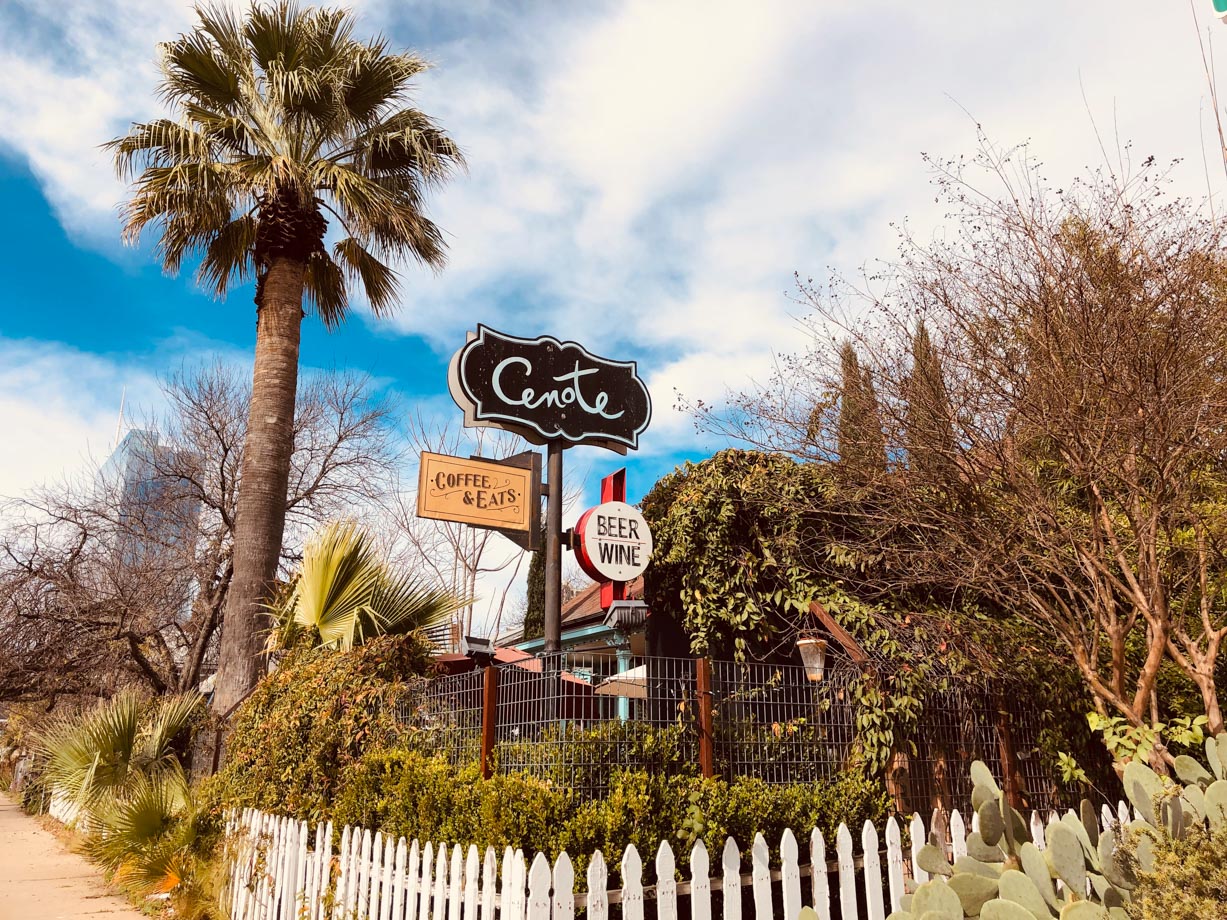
280 870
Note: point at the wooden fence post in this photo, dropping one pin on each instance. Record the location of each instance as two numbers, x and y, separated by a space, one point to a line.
489 715
707 746
1009 764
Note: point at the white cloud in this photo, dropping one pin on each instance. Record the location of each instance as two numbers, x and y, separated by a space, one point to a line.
60 407
647 175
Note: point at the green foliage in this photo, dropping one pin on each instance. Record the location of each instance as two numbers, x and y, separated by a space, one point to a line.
94 757
1188 877
729 559
534 615
309 720
344 593
120 762
861 443
1172 864
589 758
415 795
745 541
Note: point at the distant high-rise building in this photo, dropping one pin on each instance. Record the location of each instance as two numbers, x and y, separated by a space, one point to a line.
157 510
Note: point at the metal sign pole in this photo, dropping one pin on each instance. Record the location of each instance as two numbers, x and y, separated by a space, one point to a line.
553 548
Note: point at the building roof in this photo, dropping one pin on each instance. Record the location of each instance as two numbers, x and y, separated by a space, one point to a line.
585 606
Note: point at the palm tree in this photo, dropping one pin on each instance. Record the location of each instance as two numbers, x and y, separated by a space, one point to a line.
343 594
284 121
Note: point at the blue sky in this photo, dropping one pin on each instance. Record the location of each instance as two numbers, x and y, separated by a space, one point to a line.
645 177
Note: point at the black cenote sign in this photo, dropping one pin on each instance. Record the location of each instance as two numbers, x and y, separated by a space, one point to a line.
547 390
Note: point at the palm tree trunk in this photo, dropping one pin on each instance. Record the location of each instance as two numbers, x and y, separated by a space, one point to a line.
260 512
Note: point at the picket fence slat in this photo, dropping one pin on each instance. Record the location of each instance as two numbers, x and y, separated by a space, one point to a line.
441 887
455 889
598 879
873 873
790 874
539 878
424 881
958 835
918 841
489 881
700 882
666 884
894 863
413 878
564 887
761 876
730 886
847 874
820 883
632 885
472 866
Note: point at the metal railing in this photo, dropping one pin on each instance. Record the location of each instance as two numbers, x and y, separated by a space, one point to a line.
574 720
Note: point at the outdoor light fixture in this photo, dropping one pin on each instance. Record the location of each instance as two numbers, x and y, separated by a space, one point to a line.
813 655
627 615
479 649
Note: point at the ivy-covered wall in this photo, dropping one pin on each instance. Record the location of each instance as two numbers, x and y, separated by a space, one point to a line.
746 540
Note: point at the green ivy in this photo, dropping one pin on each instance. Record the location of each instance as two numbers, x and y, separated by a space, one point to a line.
306 722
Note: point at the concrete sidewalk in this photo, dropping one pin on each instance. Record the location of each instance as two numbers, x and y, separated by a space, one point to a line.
41 880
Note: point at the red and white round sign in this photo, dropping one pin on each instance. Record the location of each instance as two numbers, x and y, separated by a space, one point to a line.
614 542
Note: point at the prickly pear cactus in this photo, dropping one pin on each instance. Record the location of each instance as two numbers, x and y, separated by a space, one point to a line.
1076 875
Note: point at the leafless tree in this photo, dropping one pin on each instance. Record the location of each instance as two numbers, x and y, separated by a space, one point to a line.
1065 457
122 575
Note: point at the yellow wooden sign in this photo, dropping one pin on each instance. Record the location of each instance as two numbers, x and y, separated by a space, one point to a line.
479 492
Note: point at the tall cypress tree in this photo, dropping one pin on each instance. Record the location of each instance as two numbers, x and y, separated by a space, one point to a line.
860 442
929 426
534 616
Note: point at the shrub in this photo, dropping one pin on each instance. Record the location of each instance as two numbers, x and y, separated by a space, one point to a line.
410 794
305 723
1189 877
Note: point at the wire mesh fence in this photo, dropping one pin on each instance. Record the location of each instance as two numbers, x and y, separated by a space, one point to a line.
574 720
775 723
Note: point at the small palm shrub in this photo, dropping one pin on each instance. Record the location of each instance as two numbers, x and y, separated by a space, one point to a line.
119 763
95 757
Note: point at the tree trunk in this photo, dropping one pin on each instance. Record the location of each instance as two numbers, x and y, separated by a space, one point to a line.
260 508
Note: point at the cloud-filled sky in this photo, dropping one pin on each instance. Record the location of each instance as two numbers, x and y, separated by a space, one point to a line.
644 177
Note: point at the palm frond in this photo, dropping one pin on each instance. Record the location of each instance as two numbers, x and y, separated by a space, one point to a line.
324 283
196 69
228 255
377 79
378 280
89 755
339 570
172 717
281 100
346 593
405 603
122 828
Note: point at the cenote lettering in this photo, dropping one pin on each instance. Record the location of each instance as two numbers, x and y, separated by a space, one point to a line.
564 396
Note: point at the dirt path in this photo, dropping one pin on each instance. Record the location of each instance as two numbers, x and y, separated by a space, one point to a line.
41 880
